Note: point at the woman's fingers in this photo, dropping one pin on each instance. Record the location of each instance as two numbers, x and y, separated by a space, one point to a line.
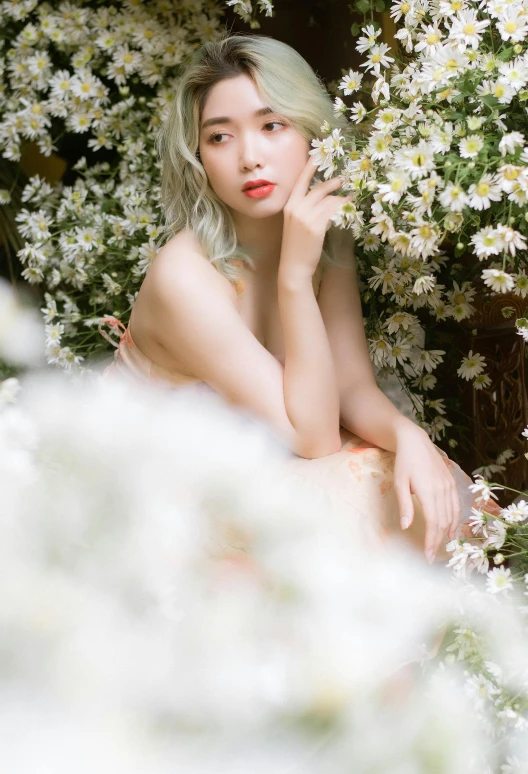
303 181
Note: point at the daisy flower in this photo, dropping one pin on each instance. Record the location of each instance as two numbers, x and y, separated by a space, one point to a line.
351 82
486 242
496 532
483 193
511 141
418 160
512 239
369 38
424 284
453 198
481 381
483 490
467 29
502 91
521 283
515 513
451 61
471 366
512 25
521 325
379 145
392 191
357 112
515 74
470 146
429 40
378 58
424 241
451 7
498 280
499 579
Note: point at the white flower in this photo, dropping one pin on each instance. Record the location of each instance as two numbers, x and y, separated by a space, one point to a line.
481 381
351 82
369 38
339 106
392 191
418 160
516 512
483 489
512 25
525 432
487 241
453 198
451 61
378 58
429 39
379 146
515 74
496 534
504 92
498 280
499 579
521 325
357 112
471 146
467 29
477 522
511 141
471 366
483 193
424 284
512 239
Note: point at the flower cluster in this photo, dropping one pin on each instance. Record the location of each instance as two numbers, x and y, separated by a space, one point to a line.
103 74
437 160
247 12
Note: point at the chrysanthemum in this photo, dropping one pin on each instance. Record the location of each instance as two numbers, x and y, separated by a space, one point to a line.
471 366
512 239
487 242
516 512
499 579
424 284
503 92
510 141
453 198
467 28
483 193
471 146
481 381
429 39
368 39
417 160
392 191
498 280
512 25
378 58
451 61
515 73
351 82
357 112
521 283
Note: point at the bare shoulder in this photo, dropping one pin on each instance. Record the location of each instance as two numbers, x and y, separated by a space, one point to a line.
182 260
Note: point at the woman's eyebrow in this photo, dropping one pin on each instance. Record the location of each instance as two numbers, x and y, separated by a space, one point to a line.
226 120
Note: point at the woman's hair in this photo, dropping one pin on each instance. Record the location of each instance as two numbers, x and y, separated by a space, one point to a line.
289 86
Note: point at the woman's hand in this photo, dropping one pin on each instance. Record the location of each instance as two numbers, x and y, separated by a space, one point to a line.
420 469
306 217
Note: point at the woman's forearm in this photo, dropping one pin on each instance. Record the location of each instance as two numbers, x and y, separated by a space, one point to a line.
311 393
367 412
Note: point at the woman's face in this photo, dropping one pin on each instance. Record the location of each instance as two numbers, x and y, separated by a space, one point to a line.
237 146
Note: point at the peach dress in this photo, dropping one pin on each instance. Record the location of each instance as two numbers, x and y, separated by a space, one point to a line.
359 477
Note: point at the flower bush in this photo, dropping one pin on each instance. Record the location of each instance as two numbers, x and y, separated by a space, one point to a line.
438 164
104 75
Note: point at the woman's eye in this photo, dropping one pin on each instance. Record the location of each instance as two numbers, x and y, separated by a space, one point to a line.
271 123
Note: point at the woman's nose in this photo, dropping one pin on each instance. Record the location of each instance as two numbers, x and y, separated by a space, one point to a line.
250 152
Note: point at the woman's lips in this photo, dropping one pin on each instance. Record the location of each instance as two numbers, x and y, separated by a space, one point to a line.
258 193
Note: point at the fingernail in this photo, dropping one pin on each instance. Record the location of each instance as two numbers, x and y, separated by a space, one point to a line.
405 522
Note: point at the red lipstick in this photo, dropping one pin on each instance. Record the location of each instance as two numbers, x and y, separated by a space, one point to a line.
256 189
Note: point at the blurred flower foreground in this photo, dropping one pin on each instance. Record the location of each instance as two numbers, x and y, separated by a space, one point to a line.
175 601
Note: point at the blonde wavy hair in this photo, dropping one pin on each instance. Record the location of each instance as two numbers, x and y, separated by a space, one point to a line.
291 88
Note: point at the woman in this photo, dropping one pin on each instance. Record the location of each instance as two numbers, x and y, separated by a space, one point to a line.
255 294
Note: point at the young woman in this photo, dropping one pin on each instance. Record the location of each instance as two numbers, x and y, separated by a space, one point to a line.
255 292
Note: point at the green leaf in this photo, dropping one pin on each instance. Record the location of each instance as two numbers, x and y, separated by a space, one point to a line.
379 6
506 54
363 6
355 30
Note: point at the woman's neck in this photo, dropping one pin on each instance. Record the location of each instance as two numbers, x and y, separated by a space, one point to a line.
263 237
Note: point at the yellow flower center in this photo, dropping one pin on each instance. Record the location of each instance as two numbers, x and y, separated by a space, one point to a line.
381 345
455 193
469 29
451 64
85 87
511 173
365 165
396 185
387 118
381 145
489 240
405 8
352 84
510 27
127 58
472 146
418 159
456 5
376 58
432 38
483 189
425 232
499 90
459 298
